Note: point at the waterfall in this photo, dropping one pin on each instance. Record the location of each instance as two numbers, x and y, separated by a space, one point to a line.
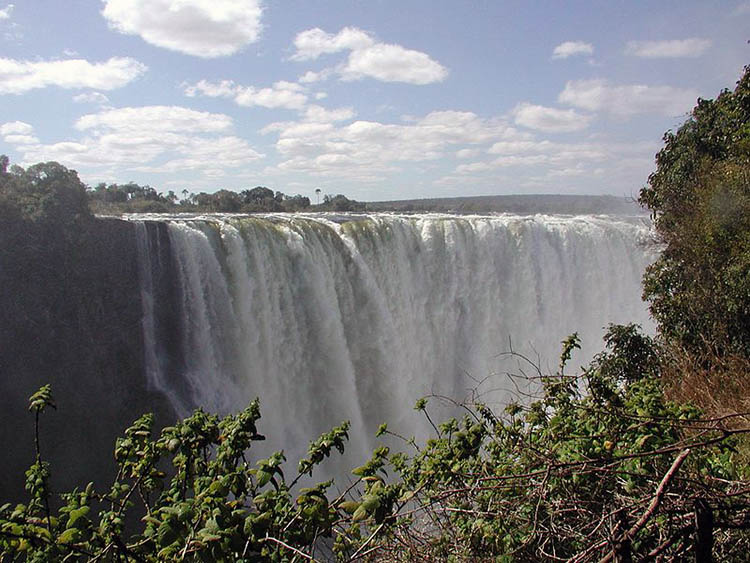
355 317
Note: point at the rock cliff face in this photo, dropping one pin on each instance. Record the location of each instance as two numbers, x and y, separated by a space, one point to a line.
70 315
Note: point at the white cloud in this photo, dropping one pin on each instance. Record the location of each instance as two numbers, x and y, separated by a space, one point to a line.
320 114
223 89
626 100
554 161
16 127
18 133
17 77
282 94
366 150
571 48
553 152
675 48
310 76
742 9
393 63
204 28
367 58
467 153
164 119
5 12
315 42
20 139
548 119
150 138
91 98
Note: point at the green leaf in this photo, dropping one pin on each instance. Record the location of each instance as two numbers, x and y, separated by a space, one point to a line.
359 514
349 506
77 514
69 536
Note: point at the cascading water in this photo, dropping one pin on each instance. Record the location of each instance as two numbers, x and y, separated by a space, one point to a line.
355 317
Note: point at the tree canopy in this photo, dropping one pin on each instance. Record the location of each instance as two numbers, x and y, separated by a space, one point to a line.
699 196
45 192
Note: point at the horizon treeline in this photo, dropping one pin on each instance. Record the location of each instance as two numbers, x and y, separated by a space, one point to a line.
25 188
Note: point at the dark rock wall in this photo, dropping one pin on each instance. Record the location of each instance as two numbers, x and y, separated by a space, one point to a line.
70 315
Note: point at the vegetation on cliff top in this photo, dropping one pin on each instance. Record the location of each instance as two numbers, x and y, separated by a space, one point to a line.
50 192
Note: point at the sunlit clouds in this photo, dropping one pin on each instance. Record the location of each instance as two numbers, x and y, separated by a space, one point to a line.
572 48
202 28
367 58
674 48
17 77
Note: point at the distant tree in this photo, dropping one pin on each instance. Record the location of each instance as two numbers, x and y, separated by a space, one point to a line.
296 203
46 192
257 194
340 202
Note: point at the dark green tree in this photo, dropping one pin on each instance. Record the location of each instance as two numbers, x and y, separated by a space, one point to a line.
47 192
699 195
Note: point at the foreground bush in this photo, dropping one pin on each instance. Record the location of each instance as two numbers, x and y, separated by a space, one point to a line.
599 466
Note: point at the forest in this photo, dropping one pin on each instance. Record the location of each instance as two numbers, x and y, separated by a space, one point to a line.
644 454
23 187
132 198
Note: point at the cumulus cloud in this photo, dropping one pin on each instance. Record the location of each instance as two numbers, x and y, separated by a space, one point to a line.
18 133
310 76
17 77
16 127
554 152
553 161
367 58
626 100
393 63
91 98
282 94
671 49
149 119
467 153
550 120
320 114
315 42
571 48
203 28
366 150
5 12
150 138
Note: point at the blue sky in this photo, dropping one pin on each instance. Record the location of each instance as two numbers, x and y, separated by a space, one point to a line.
376 100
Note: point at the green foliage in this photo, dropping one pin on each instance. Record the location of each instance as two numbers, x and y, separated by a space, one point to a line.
699 287
569 474
342 203
196 494
41 399
43 193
